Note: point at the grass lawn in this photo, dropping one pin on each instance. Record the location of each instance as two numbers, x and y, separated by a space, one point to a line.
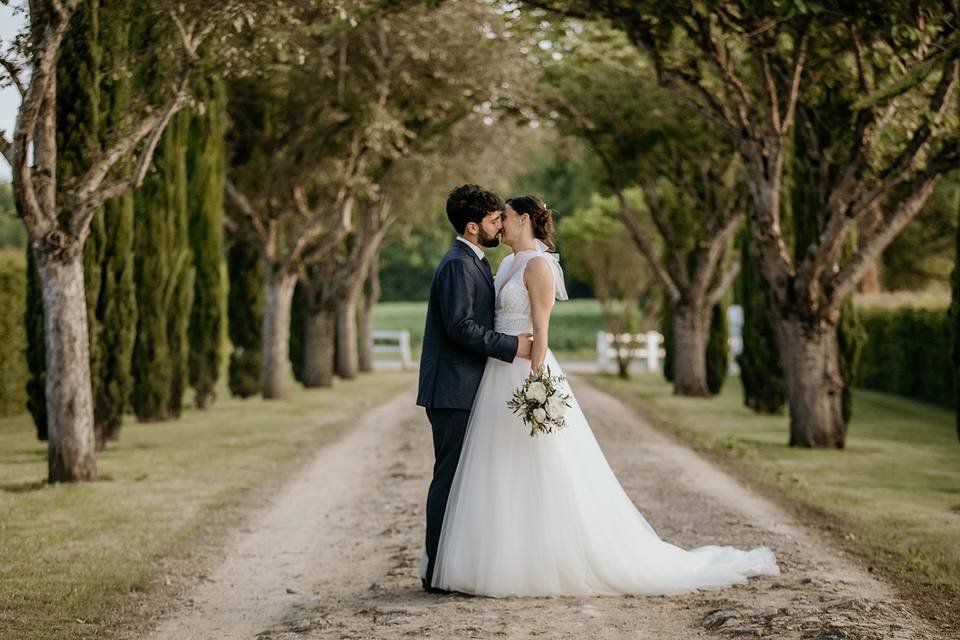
892 496
573 327
76 561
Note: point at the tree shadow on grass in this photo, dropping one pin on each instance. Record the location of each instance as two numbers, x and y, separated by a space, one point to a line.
23 487
36 485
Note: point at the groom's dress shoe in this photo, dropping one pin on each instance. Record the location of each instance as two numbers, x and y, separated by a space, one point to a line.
430 589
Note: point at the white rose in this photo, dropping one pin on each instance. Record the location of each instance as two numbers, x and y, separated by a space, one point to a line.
539 415
537 392
555 407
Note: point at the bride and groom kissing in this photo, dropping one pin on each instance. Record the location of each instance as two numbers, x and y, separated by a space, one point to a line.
509 514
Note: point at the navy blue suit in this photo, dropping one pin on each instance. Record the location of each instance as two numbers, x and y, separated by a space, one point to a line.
457 340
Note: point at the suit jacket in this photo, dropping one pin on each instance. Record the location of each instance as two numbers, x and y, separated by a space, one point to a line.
458 336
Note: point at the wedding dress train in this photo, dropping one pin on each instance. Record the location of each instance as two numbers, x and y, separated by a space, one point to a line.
546 516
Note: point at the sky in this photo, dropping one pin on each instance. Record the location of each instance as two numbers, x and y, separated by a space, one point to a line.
10 25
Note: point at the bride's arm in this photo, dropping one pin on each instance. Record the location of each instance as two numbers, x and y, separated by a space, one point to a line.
539 280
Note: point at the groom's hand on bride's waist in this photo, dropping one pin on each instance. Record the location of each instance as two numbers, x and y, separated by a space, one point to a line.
524 345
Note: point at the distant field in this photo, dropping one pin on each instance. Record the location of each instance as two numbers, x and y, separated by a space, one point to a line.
573 327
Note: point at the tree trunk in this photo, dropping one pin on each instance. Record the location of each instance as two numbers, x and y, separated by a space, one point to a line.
68 390
365 320
623 367
690 326
370 301
275 365
318 356
813 383
347 359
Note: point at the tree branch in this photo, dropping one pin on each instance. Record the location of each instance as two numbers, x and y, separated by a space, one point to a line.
680 82
897 170
715 110
709 45
850 276
6 148
799 60
43 73
768 86
243 204
709 258
14 74
849 202
91 192
676 264
307 253
645 248
717 293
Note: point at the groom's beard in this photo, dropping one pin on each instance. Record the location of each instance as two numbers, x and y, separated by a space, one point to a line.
490 243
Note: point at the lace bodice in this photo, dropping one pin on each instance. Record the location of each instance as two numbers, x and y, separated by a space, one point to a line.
513 312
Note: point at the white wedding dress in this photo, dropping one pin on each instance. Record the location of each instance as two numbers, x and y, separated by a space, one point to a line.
545 516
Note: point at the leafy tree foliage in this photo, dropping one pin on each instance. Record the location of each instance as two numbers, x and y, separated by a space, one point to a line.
604 93
603 255
879 81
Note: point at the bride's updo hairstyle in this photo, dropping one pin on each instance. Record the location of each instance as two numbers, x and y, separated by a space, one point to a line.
541 217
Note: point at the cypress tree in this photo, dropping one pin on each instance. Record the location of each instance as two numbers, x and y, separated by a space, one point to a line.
91 96
36 349
851 335
164 271
955 286
117 308
181 284
152 368
760 372
668 342
206 170
955 316
244 317
299 314
78 140
718 350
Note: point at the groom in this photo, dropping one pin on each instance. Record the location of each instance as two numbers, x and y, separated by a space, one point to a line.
457 340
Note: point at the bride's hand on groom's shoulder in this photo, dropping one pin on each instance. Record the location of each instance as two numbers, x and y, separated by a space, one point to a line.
524 345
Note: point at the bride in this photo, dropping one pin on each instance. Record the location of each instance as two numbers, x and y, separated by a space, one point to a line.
545 515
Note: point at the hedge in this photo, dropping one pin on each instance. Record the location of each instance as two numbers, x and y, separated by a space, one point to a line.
908 353
13 340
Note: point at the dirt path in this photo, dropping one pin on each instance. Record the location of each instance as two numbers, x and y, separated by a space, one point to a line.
336 555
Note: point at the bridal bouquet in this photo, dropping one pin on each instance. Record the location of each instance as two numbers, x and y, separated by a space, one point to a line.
540 403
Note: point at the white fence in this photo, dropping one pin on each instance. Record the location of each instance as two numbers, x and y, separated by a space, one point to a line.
394 342
645 348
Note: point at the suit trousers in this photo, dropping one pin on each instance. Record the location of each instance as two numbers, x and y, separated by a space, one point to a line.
449 427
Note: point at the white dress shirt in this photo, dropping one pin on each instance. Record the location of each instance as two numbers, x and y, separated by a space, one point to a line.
477 250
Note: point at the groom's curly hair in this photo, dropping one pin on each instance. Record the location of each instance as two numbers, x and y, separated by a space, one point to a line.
470 203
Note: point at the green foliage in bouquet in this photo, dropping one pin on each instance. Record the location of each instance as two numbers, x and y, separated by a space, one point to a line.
540 402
